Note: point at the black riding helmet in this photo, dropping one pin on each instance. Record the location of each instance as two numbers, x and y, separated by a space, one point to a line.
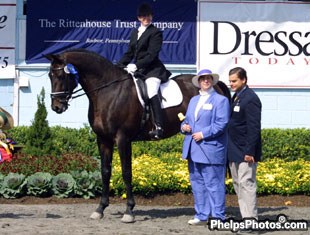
144 10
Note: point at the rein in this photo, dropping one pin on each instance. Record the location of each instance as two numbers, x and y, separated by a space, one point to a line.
97 88
69 94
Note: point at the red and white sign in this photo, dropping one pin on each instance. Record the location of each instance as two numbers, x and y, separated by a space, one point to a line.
271 40
7 38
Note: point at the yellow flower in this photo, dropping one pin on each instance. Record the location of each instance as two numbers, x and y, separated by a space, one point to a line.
269 177
228 181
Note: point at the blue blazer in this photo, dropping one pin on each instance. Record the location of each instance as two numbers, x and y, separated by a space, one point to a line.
244 127
212 121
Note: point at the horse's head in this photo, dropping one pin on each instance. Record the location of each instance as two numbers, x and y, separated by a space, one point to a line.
64 79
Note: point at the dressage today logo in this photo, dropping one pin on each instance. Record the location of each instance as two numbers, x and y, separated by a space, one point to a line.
270 39
271 47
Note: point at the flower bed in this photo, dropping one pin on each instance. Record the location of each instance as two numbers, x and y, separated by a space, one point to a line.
151 175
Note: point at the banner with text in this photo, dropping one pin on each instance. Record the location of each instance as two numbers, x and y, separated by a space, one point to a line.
271 40
7 38
54 26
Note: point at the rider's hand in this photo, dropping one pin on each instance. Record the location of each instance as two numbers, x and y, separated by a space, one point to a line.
131 68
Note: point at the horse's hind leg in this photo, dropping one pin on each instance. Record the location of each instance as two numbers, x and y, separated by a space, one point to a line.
106 153
124 149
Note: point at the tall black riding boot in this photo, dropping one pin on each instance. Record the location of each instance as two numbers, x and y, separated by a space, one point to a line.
158 118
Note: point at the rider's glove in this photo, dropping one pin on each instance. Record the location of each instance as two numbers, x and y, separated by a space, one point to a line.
131 68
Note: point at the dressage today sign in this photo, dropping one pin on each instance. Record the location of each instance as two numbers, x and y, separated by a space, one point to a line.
271 40
54 26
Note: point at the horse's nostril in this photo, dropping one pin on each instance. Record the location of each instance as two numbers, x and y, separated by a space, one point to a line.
57 109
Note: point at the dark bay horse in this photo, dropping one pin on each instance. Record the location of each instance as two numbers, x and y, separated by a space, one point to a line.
114 110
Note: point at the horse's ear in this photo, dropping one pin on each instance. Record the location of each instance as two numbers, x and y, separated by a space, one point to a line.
52 57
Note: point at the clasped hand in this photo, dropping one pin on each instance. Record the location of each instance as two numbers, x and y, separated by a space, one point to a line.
186 128
196 136
249 158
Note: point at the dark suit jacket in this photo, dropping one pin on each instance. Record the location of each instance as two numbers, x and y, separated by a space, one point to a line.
244 127
145 53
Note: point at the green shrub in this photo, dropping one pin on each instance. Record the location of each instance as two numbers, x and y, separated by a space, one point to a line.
39 141
18 134
70 140
158 148
290 144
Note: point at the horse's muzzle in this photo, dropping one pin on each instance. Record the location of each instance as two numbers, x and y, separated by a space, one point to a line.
60 101
59 107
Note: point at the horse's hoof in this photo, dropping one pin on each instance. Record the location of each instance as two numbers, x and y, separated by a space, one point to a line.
96 216
128 218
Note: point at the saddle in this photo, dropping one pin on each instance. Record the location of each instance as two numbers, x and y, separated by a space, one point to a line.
169 93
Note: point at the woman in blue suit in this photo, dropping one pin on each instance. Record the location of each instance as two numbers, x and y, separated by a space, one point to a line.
205 146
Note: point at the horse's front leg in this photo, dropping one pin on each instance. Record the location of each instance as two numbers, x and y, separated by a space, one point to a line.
106 153
124 149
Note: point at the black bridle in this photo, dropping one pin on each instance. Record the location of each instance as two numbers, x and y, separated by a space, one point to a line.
62 96
65 96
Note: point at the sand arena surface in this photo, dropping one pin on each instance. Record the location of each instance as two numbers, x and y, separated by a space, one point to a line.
74 219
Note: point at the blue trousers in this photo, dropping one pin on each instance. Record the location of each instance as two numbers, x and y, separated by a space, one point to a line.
208 186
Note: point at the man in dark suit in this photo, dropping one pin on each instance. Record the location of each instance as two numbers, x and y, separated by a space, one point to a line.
143 50
244 141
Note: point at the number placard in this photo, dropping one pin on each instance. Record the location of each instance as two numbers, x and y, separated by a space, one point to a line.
7 38
7 65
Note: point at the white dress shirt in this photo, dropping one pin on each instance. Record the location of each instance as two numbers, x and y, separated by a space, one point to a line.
141 30
204 95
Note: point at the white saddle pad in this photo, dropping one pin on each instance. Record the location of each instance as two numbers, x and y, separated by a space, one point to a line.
171 92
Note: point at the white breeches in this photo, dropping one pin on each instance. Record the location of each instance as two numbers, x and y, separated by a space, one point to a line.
152 86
